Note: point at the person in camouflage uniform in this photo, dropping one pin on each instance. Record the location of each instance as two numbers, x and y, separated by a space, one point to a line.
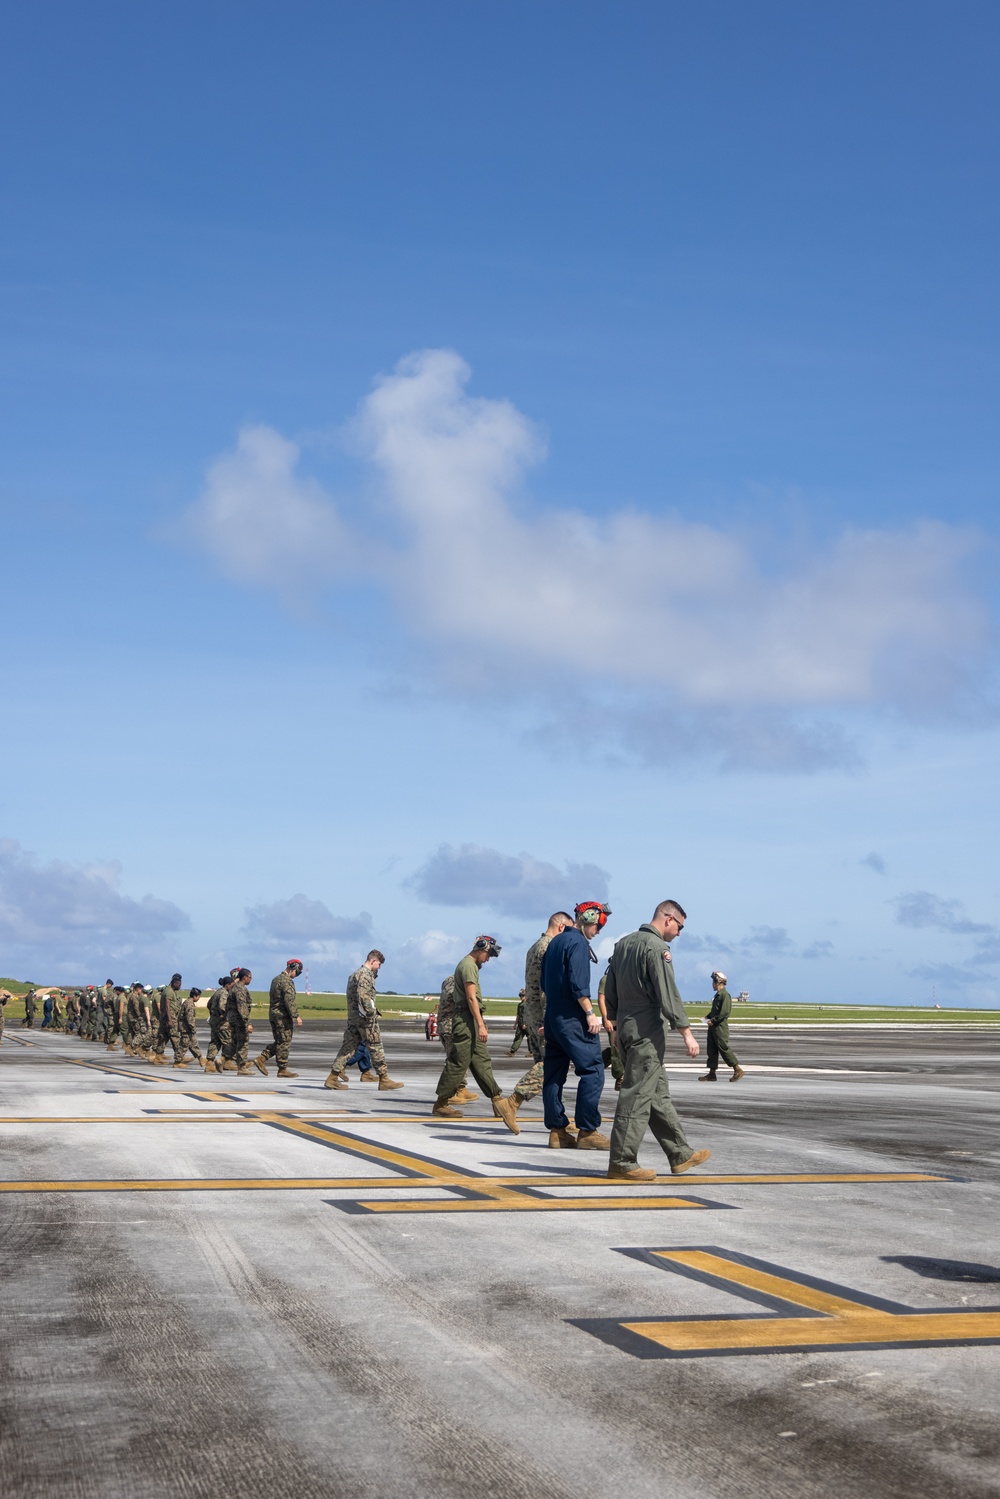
105 1005
718 1032
283 1013
58 1015
170 1004
187 1021
30 1006
140 1032
530 1084
519 1030
362 1025
219 1033
72 1012
114 1017
5 998
238 1007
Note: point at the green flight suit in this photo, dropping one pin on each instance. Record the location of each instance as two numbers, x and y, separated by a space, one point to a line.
30 1007
641 996
718 1031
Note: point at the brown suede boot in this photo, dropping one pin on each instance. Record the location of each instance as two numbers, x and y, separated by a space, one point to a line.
369 1077
443 1110
592 1140
260 1064
692 1161
504 1109
284 1072
335 1080
631 1174
561 1139
737 1074
386 1084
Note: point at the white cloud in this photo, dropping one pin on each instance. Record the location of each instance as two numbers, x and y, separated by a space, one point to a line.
422 963
262 522
66 919
714 644
307 922
516 886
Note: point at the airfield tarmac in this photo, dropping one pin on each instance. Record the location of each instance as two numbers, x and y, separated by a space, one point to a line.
277 1291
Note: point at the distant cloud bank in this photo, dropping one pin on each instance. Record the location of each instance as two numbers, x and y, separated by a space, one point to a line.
514 886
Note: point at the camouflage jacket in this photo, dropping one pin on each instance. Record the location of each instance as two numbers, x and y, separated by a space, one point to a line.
446 1004
533 995
188 1013
282 994
238 1006
362 1007
217 1002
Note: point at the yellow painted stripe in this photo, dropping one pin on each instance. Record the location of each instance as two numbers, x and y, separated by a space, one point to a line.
742 1335
518 1202
397 1158
760 1280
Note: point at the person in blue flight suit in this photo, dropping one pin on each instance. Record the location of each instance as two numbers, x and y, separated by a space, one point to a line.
572 1033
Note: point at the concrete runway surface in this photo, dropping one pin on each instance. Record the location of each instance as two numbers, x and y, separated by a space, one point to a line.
333 1294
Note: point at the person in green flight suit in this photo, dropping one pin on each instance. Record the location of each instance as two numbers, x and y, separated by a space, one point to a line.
718 1033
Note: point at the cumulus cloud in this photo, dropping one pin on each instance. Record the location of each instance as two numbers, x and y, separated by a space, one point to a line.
513 885
264 523
715 644
59 916
308 924
421 963
919 908
760 945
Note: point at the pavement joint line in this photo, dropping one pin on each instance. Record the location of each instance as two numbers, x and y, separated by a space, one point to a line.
827 1317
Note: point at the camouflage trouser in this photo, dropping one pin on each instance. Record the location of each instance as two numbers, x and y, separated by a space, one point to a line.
237 1048
220 1037
370 1036
188 1039
281 1030
167 1031
140 1036
718 1046
531 1083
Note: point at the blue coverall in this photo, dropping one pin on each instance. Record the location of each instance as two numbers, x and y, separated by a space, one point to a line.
565 981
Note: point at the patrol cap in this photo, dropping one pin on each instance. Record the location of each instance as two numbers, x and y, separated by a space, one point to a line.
488 945
593 912
720 977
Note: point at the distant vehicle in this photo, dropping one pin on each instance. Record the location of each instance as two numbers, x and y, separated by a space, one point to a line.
743 997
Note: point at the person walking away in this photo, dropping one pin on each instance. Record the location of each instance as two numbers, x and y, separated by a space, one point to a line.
362 1025
642 997
30 1009
140 1030
445 1021
611 1058
469 1036
519 1028
572 1032
238 1008
530 1085
718 1033
217 1026
283 1014
187 1028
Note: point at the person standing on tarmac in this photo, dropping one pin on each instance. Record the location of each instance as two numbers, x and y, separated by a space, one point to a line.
362 1025
718 1033
187 1028
572 1033
283 1013
640 995
170 1005
30 1006
468 1041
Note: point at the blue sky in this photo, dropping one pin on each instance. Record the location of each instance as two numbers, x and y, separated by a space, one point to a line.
456 460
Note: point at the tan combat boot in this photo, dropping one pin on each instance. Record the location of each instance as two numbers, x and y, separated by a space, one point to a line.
692 1161
466 1095
369 1077
592 1139
335 1080
386 1084
260 1064
504 1109
561 1139
631 1174
284 1072
244 1072
229 1066
443 1110
737 1073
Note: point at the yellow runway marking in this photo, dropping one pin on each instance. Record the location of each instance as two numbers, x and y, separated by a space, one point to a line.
836 1317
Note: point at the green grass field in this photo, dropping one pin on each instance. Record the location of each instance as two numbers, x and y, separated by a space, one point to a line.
757 1013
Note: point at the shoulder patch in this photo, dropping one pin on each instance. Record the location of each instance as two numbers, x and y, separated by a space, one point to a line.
666 955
